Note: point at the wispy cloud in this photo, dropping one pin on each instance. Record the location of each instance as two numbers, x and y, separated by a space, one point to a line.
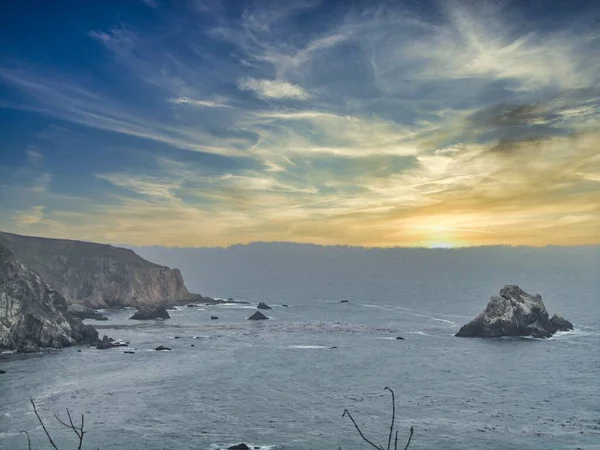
273 89
41 183
151 3
34 157
199 103
35 215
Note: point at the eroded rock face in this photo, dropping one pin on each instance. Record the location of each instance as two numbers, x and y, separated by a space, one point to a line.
32 315
97 275
514 313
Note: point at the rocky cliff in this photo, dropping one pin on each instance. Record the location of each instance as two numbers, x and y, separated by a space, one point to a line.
97 275
514 313
33 315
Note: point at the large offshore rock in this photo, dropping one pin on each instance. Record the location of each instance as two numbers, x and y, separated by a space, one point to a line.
514 313
33 315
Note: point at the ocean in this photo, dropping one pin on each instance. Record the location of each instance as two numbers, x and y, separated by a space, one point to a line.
284 383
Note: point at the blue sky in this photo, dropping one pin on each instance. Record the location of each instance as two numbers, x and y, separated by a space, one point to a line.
200 123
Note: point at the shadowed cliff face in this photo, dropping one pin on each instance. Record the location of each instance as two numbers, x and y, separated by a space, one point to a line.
33 315
97 275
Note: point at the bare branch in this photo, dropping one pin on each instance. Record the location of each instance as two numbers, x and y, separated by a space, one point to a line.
70 419
396 441
346 412
77 430
61 422
42 424
28 440
409 438
393 415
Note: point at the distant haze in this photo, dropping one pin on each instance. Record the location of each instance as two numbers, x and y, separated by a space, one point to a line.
463 278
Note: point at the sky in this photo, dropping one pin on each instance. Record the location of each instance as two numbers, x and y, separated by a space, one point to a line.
213 123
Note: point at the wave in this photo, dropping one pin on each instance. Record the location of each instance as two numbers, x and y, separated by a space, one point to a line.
423 334
307 346
578 332
235 305
437 319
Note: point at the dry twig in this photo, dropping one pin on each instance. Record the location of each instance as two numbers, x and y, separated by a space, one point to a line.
380 447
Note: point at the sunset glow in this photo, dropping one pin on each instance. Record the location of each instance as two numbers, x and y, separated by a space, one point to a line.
191 124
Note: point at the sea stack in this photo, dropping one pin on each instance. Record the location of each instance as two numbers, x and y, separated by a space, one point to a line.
514 313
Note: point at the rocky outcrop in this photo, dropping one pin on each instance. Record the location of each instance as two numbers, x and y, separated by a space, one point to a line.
162 348
97 275
257 316
33 315
107 342
150 314
83 312
263 305
514 313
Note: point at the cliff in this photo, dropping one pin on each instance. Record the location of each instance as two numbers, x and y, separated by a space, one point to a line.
514 313
97 275
33 315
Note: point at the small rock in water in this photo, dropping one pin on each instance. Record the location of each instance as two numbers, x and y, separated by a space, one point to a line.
105 343
241 446
344 301
2 371
285 306
191 305
78 351
230 299
334 346
400 338
263 305
192 345
129 352
257 316
177 337
145 313
161 348
213 317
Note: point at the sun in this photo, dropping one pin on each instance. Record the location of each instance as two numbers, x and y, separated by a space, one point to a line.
441 245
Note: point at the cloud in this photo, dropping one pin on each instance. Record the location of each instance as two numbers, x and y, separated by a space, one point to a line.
475 43
34 157
119 40
151 3
41 183
66 99
199 103
273 89
33 216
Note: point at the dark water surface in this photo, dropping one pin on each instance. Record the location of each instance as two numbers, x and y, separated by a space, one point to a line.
278 384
